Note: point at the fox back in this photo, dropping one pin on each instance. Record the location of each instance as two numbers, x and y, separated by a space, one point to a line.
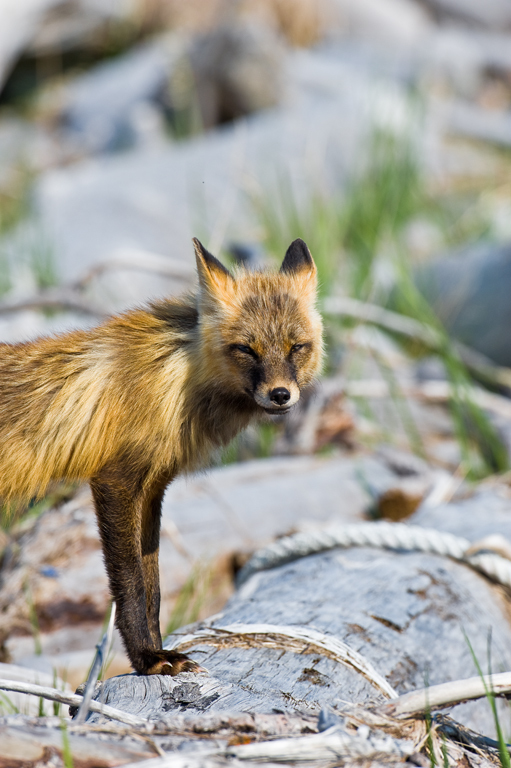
159 388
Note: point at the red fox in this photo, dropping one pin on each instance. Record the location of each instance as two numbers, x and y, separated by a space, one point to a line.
150 394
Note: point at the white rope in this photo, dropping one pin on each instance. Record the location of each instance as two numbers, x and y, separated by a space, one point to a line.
381 535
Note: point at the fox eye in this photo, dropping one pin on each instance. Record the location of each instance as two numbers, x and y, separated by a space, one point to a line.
243 348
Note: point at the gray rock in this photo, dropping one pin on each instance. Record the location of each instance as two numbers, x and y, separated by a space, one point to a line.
469 290
104 110
494 14
36 27
237 69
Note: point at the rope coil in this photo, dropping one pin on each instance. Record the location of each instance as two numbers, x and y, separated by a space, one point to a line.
381 535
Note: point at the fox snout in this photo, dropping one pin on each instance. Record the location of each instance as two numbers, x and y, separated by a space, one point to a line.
277 399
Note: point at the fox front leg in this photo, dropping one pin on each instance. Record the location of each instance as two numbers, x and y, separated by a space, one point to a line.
129 525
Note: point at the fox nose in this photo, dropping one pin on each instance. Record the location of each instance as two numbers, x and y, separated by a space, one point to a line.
280 395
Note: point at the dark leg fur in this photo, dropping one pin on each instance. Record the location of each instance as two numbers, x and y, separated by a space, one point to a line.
129 524
150 566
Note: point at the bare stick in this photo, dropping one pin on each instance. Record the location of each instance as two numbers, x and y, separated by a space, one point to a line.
71 699
70 298
141 261
447 694
53 298
391 321
102 650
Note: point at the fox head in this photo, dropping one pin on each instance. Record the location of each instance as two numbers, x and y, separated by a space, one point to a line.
261 333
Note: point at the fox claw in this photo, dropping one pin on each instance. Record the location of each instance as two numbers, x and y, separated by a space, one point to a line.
172 663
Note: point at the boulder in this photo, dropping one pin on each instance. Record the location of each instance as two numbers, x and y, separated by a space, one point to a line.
237 69
109 108
494 15
469 291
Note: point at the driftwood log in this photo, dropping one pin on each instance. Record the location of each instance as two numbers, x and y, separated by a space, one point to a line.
408 618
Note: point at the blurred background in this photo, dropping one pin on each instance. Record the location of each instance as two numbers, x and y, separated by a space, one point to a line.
379 131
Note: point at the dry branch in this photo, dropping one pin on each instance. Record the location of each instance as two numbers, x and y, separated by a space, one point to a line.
333 744
102 650
447 694
140 261
64 298
257 724
71 699
70 297
28 743
320 749
384 318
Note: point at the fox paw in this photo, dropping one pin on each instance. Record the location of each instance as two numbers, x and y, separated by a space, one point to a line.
170 663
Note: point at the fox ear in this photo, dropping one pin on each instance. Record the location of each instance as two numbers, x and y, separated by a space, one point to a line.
214 278
298 259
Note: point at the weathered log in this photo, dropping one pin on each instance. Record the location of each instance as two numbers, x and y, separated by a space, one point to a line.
408 614
28 743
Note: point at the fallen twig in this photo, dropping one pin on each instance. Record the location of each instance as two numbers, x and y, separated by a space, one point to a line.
64 298
99 660
331 744
71 699
141 261
70 297
447 694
